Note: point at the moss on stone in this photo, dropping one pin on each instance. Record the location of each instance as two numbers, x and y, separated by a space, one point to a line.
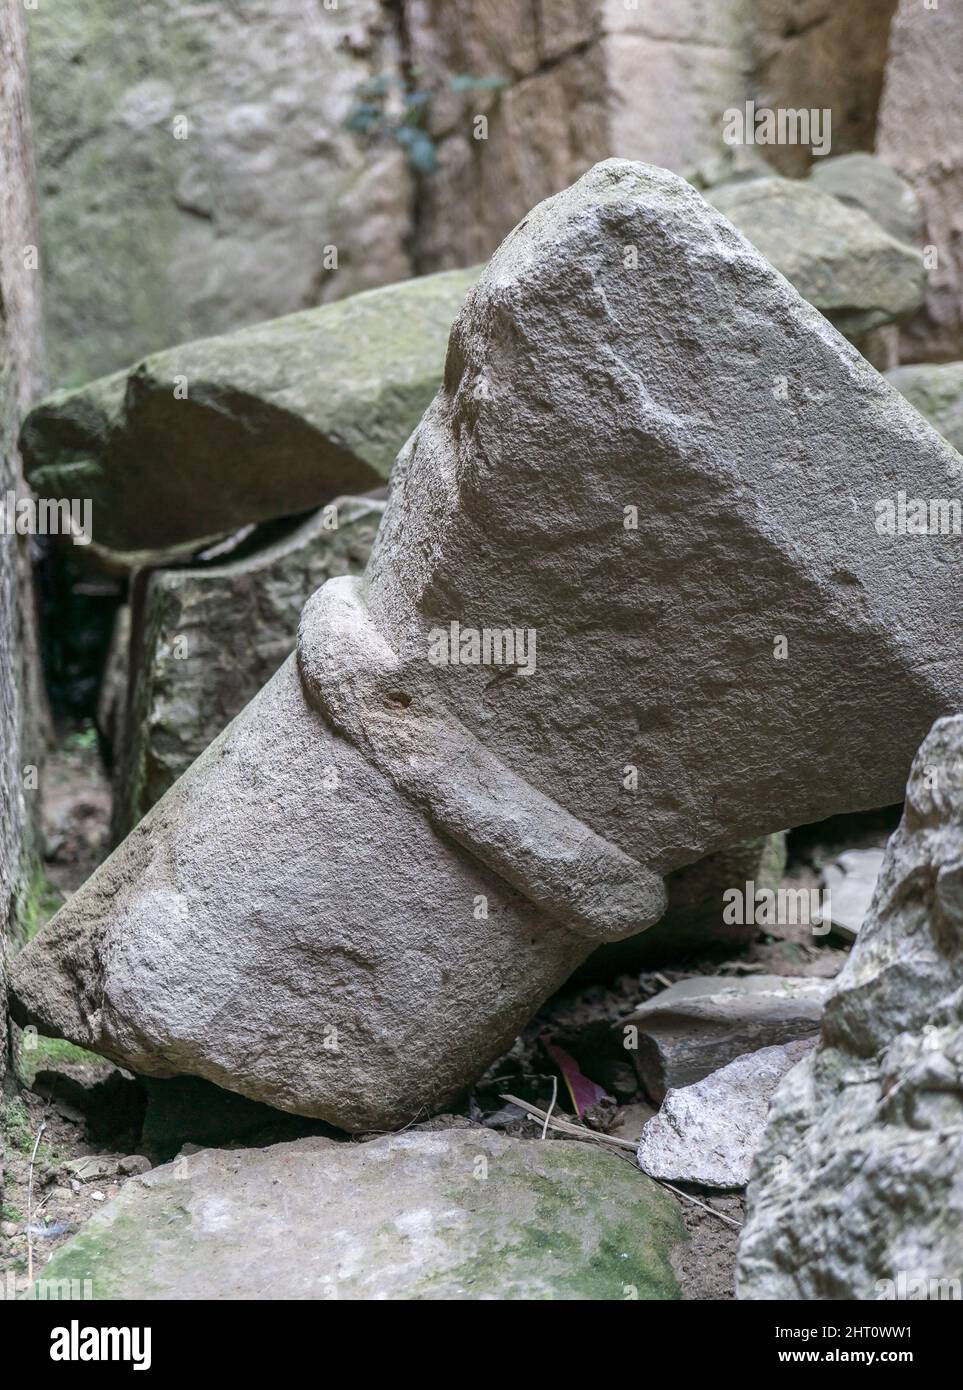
410 1216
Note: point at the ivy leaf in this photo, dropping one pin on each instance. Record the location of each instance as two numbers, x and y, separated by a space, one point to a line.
420 149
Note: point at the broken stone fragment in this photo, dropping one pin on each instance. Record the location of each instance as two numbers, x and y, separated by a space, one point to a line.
838 258
93 1166
354 900
936 390
265 422
707 1133
856 1190
209 638
864 181
697 1026
451 1214
850 880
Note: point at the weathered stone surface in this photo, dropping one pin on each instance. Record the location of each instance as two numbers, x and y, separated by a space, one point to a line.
936 390
540 87
693 920
228 217
851 881
697 1026
588 79
510 103
866 182
21 368
114 683
921 135
452 1214
210 638
817 53
585 79
673 71
857 1189
837 257
278 419
708 1133
403 857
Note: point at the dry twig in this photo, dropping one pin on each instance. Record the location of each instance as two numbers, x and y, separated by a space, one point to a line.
584 1133
30 1211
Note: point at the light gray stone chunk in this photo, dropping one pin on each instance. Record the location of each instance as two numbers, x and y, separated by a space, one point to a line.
708 1133
866 182
697 1026
857 1189
450 1214
399 855
837 257
851 882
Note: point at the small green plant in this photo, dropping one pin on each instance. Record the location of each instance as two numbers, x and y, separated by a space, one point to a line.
18 1132
40 903
15 1126
82 740
8 1212
377 115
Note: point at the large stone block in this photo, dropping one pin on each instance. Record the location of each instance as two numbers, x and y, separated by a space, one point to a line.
206 640
266 422
857 1190
351 903
936 390
840 259
866 182
195 175
816 53
566 84
451 1214
21 372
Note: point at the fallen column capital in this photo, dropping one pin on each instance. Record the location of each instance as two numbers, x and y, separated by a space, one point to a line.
352 676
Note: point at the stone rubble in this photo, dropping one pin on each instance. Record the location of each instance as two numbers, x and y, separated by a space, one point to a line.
707 1133
697 1026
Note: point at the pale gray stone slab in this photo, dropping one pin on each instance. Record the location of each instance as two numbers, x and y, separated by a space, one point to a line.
449 1214
697 1026
851 882
707 1133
